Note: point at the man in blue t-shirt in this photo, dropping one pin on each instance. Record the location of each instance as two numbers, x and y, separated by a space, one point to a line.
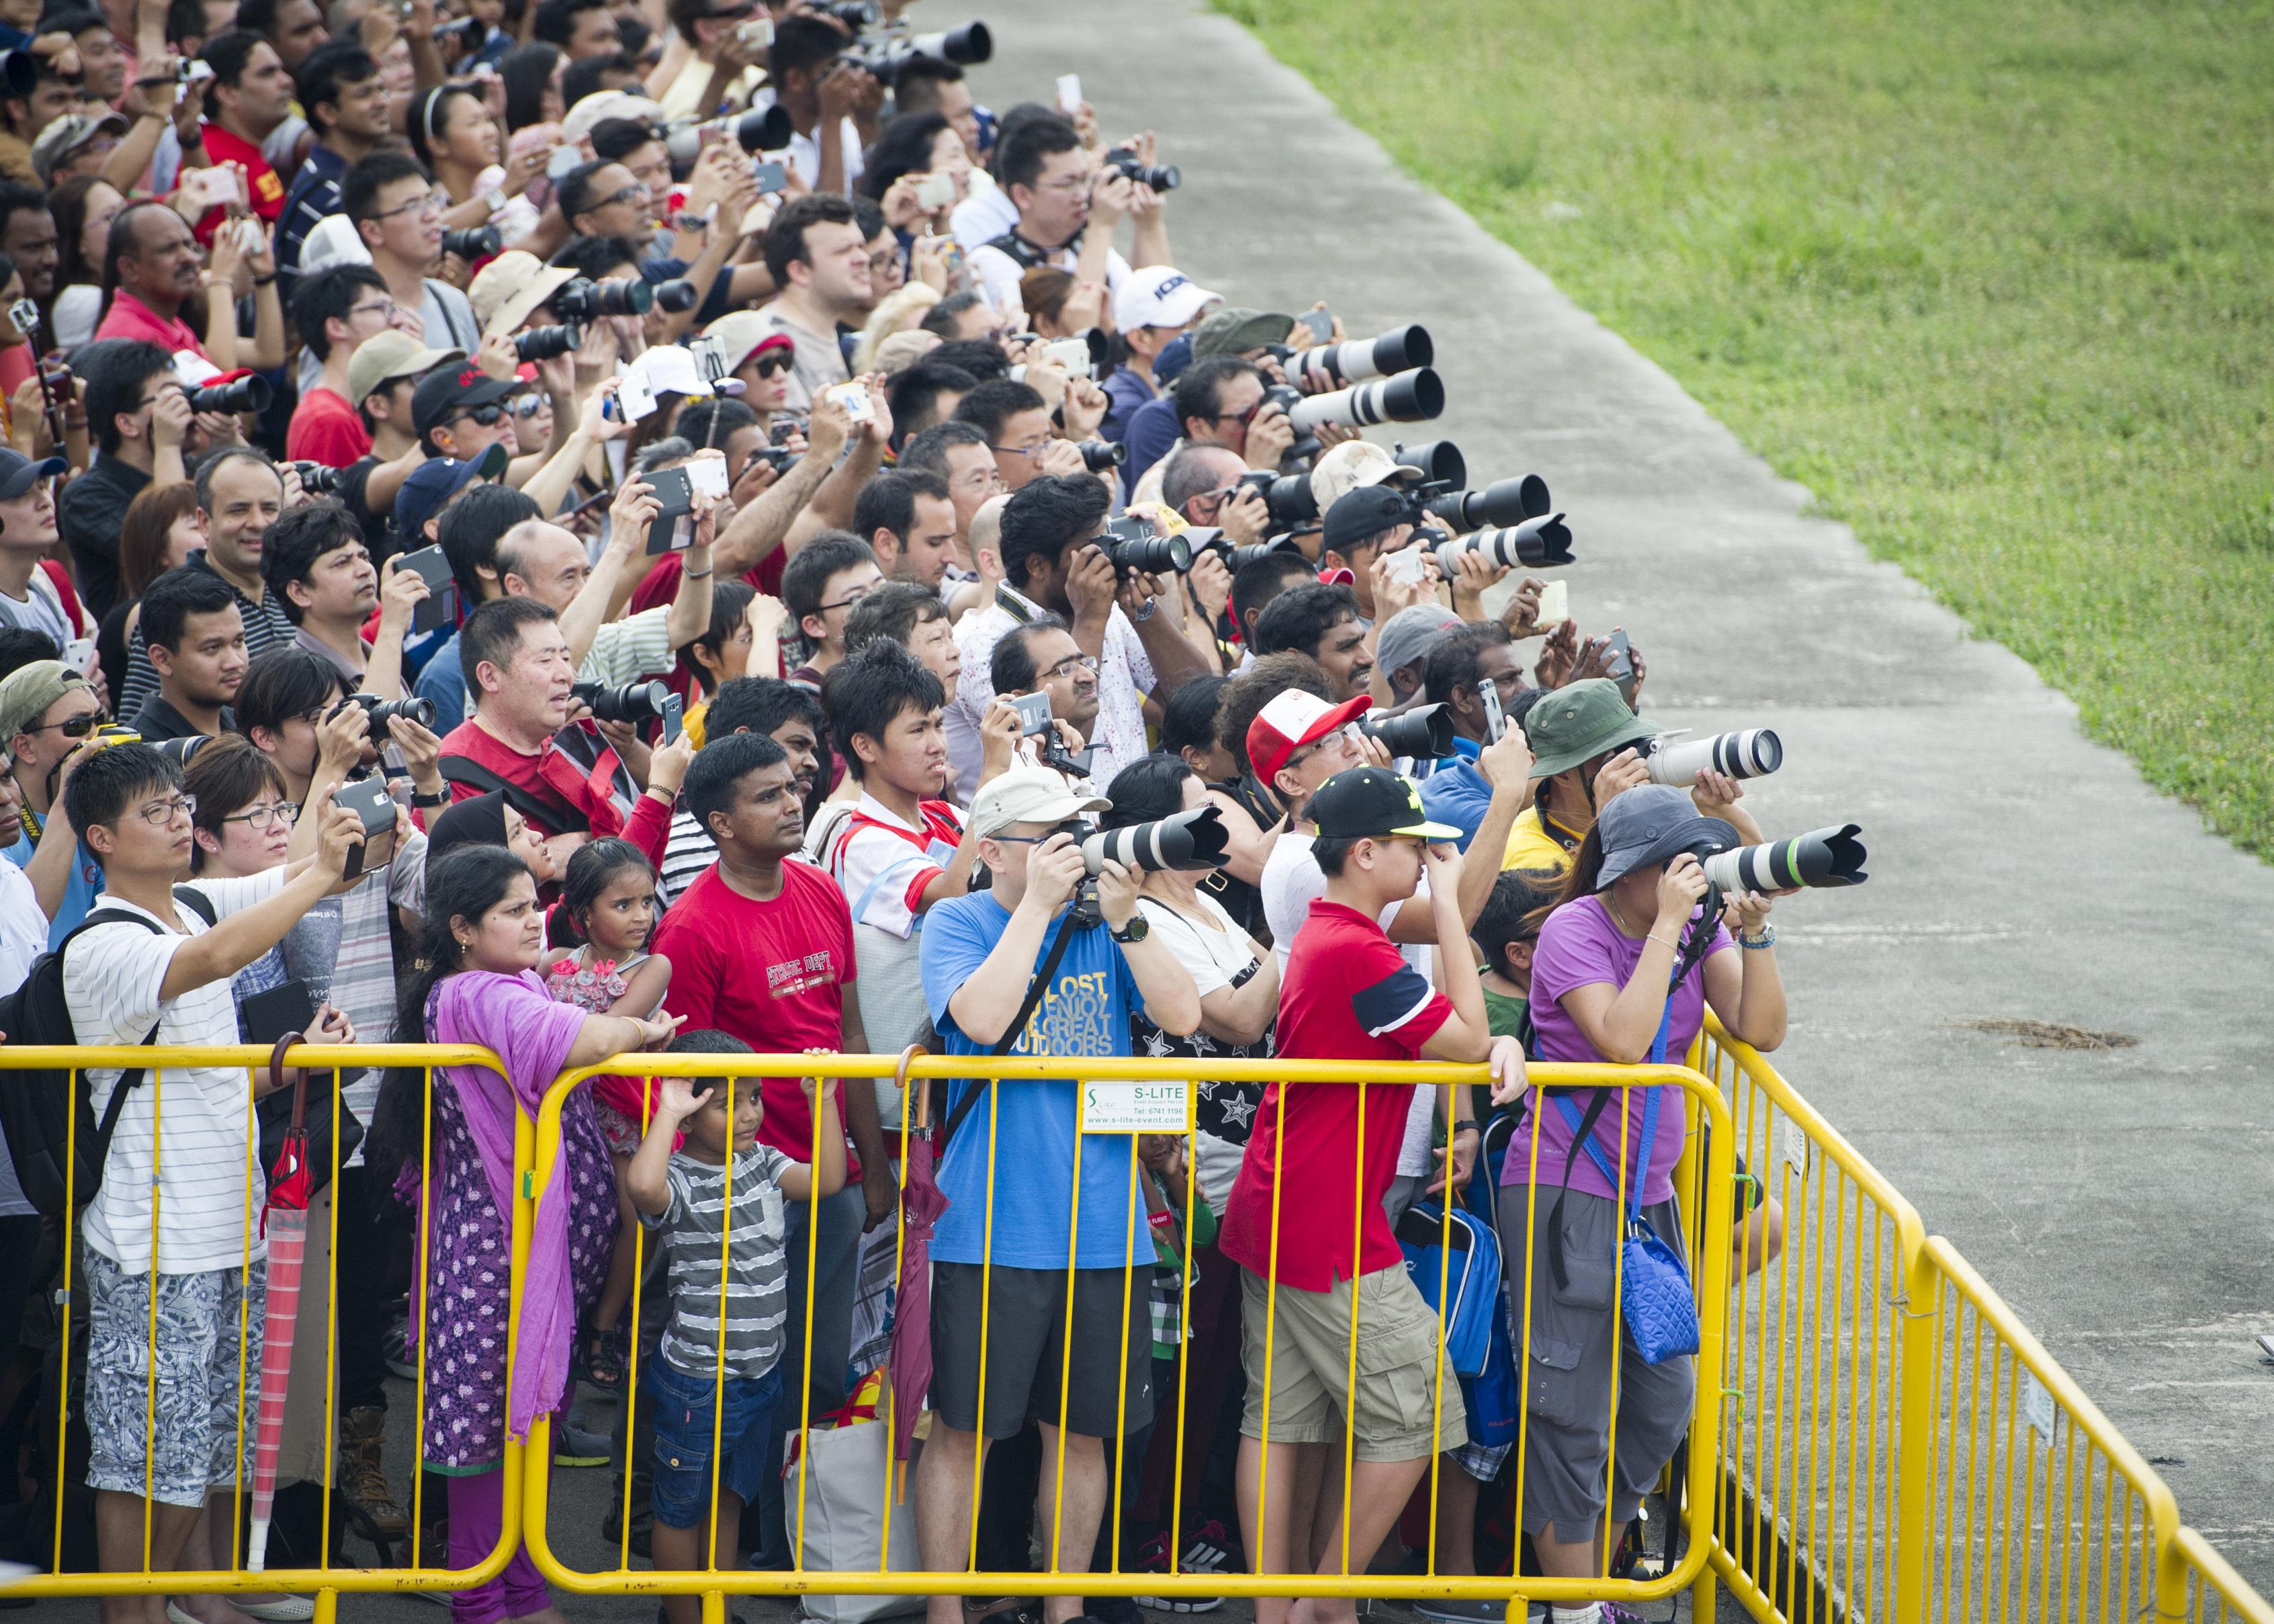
1008 1173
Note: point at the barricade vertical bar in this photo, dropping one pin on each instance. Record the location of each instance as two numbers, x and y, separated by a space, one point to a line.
1604 1541
1109 1519
423 1270
244 1319
647 1097
70 1227
1271 1311
1349 1392
817 1110
1450 1115
1524 1349
986 1277
1065 1350
332 1324
1919 1352
150 1370
1184 1336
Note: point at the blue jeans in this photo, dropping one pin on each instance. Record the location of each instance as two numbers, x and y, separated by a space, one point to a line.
684 1419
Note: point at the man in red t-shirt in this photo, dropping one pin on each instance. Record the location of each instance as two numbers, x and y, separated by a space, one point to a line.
336 309
1348 994
761 946
251 95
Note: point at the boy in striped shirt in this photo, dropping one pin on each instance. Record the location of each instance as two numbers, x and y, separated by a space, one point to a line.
717 1204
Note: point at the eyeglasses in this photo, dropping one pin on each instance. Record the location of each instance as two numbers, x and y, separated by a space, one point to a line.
1072 663
382 308
1338 736
164 812
1035 450
636 192
71 727
432 203
262 818
846 602
1237 417
772 365
886 259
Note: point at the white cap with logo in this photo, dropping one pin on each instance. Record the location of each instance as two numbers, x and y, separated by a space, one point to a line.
1160 295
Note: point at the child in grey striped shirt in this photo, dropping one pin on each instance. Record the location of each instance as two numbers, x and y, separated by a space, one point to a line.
716 1205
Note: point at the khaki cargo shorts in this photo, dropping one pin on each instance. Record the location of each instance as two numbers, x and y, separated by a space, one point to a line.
1397 1394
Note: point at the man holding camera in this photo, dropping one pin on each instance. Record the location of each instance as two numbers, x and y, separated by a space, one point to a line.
140 422
1042 657
1051 562
1067 212
1014 970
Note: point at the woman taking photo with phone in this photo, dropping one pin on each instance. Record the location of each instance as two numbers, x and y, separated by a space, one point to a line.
1626 964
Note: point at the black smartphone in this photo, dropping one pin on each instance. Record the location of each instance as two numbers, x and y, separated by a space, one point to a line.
1321 323
267 1015
676 496
772 179
441 607
1620 666
368 799
783 428
674 719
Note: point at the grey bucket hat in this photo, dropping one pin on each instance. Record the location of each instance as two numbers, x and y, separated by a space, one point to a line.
1644 826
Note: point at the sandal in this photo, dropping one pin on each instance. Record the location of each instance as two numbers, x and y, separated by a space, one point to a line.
598 1361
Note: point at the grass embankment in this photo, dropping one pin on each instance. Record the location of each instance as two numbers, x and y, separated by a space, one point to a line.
1996 282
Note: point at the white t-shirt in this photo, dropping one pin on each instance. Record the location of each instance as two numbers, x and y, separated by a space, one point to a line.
40 610
1291 882
187 1129
982 216
78 308
805 154
998 273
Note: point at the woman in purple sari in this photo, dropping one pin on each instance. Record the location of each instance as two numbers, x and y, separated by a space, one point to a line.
479 984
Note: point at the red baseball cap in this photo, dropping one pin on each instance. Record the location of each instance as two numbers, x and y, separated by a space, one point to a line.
1291 720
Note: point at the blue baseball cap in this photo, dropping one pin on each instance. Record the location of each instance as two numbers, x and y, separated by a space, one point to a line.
433 482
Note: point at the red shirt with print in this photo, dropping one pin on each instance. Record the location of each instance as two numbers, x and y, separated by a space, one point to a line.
1348 995
775 974
261 181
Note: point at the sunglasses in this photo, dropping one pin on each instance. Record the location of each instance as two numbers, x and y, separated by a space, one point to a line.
772 365
488 416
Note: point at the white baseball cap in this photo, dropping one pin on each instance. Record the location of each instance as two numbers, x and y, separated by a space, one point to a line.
1160 295
1354 463
1028 795
332 240
669 369
601 104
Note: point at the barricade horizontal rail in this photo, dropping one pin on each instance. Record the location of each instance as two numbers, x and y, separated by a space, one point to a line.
309 1427
1897 1444
895 1572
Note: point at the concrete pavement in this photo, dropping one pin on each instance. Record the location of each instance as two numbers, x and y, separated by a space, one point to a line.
2118 1199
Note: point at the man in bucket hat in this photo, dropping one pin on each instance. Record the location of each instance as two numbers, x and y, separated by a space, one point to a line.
1585 740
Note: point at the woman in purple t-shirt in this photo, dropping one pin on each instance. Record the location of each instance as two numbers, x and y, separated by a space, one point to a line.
1612 982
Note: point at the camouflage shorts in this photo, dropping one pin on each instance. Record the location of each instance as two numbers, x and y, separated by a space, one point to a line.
185 1438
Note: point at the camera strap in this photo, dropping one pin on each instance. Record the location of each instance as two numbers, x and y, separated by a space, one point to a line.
1010 1038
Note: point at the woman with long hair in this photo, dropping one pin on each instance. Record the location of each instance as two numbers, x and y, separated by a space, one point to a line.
532 75
83 207
482 939
1627 963
161 528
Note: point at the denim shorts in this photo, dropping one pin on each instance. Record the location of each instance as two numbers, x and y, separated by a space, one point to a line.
683 1417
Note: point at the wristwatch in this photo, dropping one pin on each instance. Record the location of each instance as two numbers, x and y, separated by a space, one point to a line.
1135 930
493 199
424 801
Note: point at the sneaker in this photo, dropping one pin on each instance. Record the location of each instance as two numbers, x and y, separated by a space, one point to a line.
395 1348
611 1520
1153 1558
573 1446
1209 1549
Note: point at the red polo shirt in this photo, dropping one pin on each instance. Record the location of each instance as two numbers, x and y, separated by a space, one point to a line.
128 317
1348 995
260 180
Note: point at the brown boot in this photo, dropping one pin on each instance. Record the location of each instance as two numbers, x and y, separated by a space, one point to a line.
362 1477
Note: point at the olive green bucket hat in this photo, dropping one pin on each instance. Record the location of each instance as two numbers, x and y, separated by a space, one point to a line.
1580 722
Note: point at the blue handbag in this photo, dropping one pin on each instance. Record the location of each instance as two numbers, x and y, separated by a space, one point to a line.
1654 1293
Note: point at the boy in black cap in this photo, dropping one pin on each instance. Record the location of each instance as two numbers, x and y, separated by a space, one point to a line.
1348 994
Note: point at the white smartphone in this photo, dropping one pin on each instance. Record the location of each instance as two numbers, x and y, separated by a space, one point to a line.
634 397
706 476
78 654
1073 355
855 398
935 191
1069 92
1555 606
1409 564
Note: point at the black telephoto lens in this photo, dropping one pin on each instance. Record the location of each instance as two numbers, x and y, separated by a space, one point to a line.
971 43
543 343
1440 461
1150 555
474 243
1159 177
384 713
585 299
1424 732
1504 501
1098 455
634 702
1278 546
765 129
676 295
317 478
250 393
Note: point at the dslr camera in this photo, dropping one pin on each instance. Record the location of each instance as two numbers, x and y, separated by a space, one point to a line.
634 702
1159 177
384 713
883 55
586 300
316 479
1135 547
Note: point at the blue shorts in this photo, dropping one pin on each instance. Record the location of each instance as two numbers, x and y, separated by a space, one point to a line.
684 1414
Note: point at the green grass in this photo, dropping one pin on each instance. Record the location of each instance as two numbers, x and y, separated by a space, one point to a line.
1996 280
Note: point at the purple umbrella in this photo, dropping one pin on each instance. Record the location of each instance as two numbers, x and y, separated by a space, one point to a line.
920 1206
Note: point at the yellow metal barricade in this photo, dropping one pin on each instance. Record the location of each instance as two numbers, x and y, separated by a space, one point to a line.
1709 1227
2208 1590
421 1568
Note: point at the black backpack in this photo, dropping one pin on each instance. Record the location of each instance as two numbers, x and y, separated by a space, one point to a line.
57 1163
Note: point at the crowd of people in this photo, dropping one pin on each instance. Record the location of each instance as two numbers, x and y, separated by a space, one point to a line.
587 526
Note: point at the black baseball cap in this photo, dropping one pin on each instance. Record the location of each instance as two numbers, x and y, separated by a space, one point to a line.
1367 802
19 473
1366 511
449 390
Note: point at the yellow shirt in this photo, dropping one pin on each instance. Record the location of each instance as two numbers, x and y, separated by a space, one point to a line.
1532 850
